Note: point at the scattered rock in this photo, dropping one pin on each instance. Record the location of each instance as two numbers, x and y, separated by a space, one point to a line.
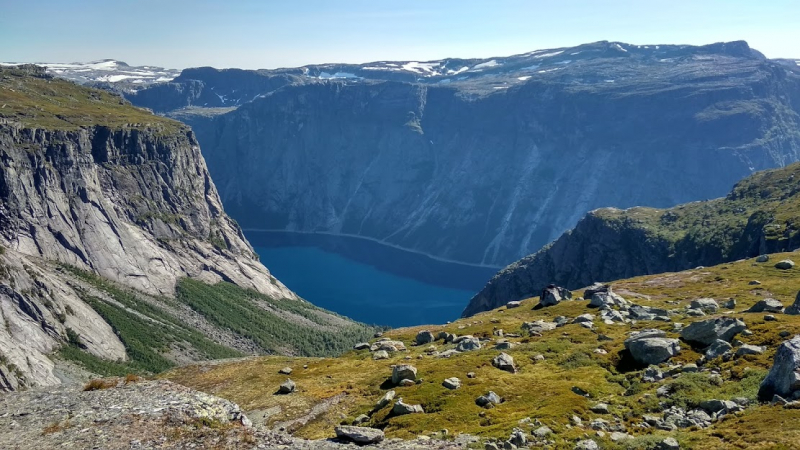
652 346
538 326
504 361
361 419
359 435
542 432
607 300
538 358
285 371
385 400
707 305
586 444
584 318
470 344
489 399
767 305
599 408
380 354
748 349
784 376
518 438
786 264
652 374
794 308
471 375
448 353
706 332
505 345
717 349
730 304
670 443
287 387
754 283
452 383
424 337
402 372
400 408
770 318
618 436
552 295
513 304
361 346
762 258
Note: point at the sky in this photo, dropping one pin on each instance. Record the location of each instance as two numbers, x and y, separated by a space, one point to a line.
254 34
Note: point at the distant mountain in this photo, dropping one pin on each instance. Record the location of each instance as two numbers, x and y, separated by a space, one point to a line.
760 215
485 161
108 73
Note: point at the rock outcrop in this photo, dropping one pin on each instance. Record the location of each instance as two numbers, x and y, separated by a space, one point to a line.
610 244
784 376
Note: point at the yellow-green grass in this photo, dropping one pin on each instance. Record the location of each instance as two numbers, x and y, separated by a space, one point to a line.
55 104
540 390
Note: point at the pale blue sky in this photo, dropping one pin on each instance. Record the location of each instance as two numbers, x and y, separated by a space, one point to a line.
277 33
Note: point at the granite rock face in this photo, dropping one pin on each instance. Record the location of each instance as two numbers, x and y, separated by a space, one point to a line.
482 170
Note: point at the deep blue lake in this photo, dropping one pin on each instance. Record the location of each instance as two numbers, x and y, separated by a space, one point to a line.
367 281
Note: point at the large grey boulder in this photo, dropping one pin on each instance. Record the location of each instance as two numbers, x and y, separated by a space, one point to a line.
706 332
400 408
424 337
359 435
468 345
452 383
794 308
488 400
287 387
652 347
784 376
553 295
717 349
747 349
607 300
402 372
586 444
767 305
538 326
786 264
505 362
707 305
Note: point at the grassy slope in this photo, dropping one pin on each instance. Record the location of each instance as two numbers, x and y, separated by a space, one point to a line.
540 390
765 204
154 335
55 104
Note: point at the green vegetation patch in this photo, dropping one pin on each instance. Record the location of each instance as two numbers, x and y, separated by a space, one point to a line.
238 310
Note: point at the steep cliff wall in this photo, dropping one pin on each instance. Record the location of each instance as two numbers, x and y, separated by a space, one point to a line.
487 170
89 183
760 215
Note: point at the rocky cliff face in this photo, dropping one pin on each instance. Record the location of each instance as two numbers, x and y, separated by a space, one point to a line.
91 183
760 215
489 164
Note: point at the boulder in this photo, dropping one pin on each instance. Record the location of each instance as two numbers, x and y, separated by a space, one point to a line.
706 332
424 337
452 383
607 300
400 408
489 399
518 438
467 345
599 408
552 295
504 361
542 432
786 264
762 258
361 419
747 349
538 326
794 308
652 347
717 349
361 346
671 443
707 305
595 289
513 304
380 354
402 372
783 378
285 371
586 444
730 304
767 305
584 318
385 400
359 435
287 387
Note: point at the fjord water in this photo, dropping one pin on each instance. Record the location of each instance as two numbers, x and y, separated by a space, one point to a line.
368 281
